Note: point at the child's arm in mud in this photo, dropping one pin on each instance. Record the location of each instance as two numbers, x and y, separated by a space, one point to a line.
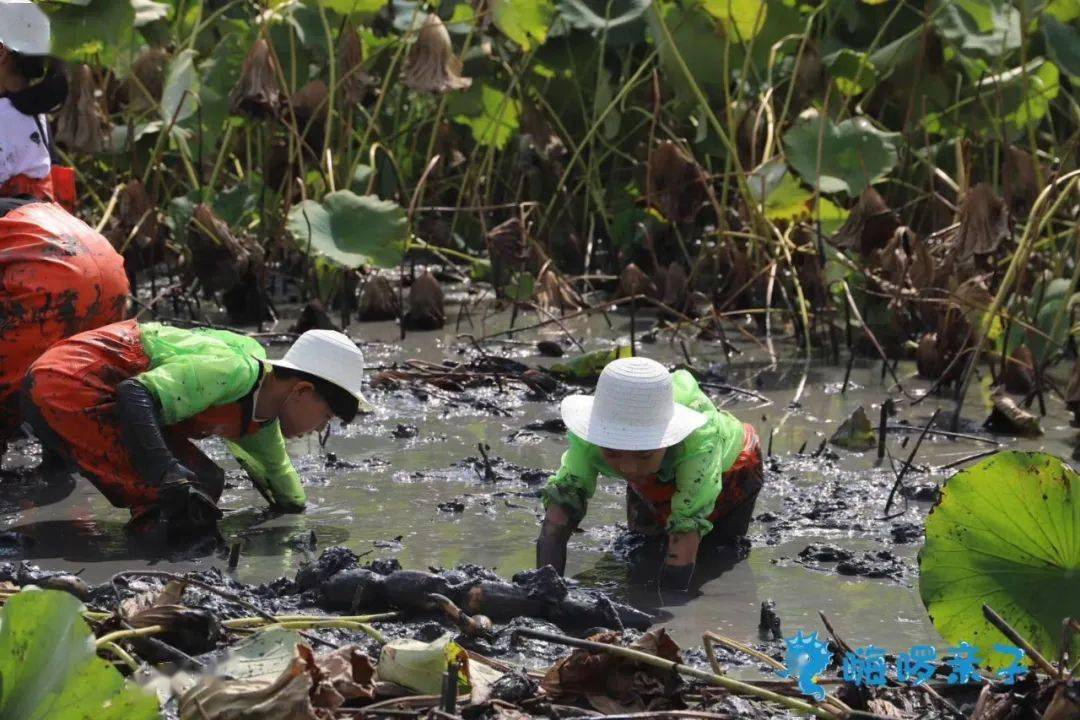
566 499
267 463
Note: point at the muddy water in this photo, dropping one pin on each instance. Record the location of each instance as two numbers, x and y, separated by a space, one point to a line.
420 498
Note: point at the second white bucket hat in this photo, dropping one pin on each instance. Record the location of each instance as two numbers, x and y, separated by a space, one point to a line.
633 408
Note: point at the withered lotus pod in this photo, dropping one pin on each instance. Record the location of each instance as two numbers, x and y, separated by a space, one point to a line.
553 291
984 223
431 65
309 107
869 227
80 125
426 306
1019 180
137 219
257 92
218 258
906 260
142 89
633 281
350 67
675 286
1019 375
928 357
1072 394
676 182
378 300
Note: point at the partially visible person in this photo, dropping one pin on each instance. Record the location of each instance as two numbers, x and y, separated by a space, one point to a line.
123 403
30 87
58 276
691 471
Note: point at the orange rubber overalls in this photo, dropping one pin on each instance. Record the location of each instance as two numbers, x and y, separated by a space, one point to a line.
58 277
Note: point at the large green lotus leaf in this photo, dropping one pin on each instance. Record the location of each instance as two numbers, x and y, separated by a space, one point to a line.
526 22
101 29
50 670
351 229
742 19
1006 533
619 22
853 153
179 97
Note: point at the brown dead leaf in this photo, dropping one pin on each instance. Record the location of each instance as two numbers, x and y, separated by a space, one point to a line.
553 291
136 218
81 124
431 65
339 676
257 93
219 259
906 262
309 106
141 91
984 224
885 709
540 133
676 182
869 227
1008 418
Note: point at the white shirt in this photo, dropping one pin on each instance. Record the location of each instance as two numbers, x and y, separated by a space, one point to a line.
23 149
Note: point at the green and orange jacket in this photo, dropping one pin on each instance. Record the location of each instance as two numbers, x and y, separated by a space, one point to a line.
695 465
193 370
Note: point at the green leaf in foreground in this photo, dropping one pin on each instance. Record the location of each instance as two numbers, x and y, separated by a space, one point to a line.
1006 533
50 669
101 29
587 367
742 19
853 153
351 229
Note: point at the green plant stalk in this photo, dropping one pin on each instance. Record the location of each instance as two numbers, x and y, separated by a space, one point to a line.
119 652
1036 221
709 114
332 85
623 92
208 189
129 634
374 115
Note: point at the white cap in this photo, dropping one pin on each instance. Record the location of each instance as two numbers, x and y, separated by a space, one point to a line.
24 27
331 356
633 408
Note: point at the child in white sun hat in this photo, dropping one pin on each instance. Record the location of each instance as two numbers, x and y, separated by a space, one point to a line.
691 470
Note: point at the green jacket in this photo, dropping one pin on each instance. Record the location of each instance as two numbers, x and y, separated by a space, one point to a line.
193 370
694 465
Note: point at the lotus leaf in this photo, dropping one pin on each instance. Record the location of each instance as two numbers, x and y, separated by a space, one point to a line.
1006 532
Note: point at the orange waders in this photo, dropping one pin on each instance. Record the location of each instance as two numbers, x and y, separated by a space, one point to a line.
648 504
70 398
58 277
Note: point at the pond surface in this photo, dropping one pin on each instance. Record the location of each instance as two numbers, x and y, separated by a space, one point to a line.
383 494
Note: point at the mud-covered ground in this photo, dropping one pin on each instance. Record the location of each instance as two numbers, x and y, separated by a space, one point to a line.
409 483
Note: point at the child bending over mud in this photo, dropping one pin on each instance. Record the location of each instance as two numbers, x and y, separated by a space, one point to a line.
691 470
123 402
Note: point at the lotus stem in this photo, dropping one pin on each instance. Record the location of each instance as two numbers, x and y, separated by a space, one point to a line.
118 635
119 652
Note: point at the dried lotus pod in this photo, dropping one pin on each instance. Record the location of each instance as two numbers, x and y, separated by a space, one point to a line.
309 107
257 92
431 65
676 182
80 124
632 281
354 81
869 227
142 89
137 218
378 300
426 307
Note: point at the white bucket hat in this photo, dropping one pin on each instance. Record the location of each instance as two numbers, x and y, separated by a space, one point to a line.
634 408
331 356
24 27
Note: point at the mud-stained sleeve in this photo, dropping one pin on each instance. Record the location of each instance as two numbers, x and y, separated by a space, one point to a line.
574 484
698 482
185 385
267 463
